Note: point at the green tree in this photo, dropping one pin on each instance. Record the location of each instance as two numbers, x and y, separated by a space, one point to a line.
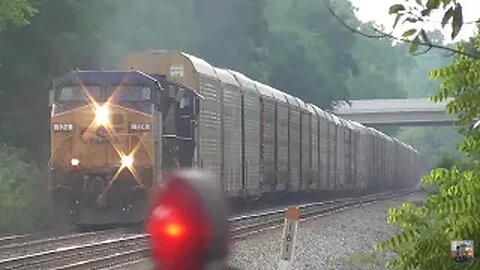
431 142
417 84
451 210
59 39
448 160
310 58
382 69
15 12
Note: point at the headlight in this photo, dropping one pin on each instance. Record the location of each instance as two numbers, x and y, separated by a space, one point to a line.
101 115
127 161
62 127
75 162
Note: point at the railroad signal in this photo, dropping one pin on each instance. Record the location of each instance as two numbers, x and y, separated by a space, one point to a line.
292 216
188 222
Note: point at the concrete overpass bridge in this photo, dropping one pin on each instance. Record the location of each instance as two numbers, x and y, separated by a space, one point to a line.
398 112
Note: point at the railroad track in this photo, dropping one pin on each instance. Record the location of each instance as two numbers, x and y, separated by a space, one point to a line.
39 243
15 240
128 249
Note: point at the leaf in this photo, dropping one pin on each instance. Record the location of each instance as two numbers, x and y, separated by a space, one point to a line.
447 16
409 32
412 20
433 4
457 22
419 2
426 12
396 8
414 46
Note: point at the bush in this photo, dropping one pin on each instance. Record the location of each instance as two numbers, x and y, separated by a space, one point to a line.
449 160
23 193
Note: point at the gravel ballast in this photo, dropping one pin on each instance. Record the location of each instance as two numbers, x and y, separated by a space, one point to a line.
343 240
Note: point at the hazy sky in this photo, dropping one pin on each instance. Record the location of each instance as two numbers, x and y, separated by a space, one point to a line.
377 10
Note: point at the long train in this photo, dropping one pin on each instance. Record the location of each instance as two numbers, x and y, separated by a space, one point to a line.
114 134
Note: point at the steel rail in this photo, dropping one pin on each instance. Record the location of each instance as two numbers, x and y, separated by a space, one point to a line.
56 258
37 241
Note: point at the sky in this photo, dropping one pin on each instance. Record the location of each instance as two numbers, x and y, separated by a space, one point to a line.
377 10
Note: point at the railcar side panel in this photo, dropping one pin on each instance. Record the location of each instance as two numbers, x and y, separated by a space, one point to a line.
305 146
279 134
250 134
324 126
314 150
209 126
251 105
340 177
353 159
332 155
294 148
231 120
282 146
347 156
267 147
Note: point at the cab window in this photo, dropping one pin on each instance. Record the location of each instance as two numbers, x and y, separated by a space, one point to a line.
77 93
129 93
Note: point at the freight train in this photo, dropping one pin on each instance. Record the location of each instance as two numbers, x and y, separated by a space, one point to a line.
115 133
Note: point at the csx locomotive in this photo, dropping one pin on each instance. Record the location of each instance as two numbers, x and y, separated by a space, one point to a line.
114 133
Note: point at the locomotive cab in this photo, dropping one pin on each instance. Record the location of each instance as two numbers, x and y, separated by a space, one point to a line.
107 143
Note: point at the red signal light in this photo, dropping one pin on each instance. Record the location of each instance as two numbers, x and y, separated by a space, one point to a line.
174 230
178 227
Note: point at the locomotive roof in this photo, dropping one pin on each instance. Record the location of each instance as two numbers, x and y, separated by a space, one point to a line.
97 77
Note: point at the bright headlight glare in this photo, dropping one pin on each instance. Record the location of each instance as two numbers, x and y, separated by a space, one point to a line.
101 115
127 161
75 162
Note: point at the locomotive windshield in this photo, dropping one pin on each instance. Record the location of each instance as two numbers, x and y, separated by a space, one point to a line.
77 93
129 93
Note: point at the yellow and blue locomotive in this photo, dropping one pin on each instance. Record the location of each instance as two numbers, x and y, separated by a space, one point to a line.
107 145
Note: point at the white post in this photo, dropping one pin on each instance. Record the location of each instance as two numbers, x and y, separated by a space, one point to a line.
292 217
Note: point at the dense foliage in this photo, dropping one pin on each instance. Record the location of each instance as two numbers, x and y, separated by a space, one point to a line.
451 210
432 142
23 201
448 161
15 12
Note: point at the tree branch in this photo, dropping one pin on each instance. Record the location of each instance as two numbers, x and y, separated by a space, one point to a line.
390 36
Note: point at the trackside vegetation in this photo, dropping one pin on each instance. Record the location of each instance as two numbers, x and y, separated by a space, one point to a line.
23 192
451 210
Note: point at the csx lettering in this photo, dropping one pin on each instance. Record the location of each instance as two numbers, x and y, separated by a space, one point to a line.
140 126
62 127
